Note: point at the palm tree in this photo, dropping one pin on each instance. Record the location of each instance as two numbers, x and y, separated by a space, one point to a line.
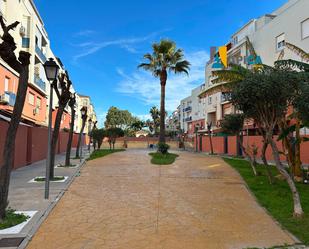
165 58
155 114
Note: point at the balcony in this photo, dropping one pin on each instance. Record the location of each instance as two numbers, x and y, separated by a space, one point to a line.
8 98
225 97
40 53
188 119
39 82
187 109
25 43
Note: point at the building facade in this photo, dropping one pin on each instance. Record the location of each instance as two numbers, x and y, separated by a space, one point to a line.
31 36
267 36
193 111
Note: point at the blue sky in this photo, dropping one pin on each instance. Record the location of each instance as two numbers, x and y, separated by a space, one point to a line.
102 42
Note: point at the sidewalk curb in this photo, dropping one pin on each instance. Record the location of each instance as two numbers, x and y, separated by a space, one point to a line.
51 206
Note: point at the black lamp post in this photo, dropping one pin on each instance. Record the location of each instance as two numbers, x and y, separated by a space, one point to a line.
197 126
51 70
89 132
83 112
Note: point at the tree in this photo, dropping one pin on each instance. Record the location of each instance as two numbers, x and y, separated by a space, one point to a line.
155 115
209 124
113 134
119 118
98 136
233 124
165 58
94 128
264 96
72 103
20 65
137 125
84 119
64 96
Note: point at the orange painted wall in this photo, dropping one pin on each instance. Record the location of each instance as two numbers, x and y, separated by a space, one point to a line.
31 143
218 144
28 113
200 122
66 119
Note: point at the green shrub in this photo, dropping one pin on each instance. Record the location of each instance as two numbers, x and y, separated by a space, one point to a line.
163 148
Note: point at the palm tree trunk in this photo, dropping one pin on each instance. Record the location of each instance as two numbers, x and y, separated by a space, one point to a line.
55 140
69 145
163 78
298 211
80 138
9 146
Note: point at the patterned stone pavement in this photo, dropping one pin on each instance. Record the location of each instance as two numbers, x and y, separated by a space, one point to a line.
123 202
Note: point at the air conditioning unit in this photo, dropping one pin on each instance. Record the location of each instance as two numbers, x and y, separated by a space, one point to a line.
5 98
36 110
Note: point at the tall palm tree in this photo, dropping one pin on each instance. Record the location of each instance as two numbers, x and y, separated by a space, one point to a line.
165 58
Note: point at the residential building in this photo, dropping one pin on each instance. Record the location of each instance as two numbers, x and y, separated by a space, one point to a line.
29 36
267 35
173 121
84 101
193 111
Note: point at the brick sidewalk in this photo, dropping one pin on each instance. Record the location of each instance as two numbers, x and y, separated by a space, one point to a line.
24 196
122 201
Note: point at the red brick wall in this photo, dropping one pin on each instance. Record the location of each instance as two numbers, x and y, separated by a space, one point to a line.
218 144
31 143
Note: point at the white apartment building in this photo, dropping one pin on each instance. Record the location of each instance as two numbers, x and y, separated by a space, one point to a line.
267 34
192 110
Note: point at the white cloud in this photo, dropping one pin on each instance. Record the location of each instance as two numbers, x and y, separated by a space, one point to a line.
86 32
144 86
126 43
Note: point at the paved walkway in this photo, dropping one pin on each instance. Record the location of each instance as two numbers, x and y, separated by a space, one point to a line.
123 202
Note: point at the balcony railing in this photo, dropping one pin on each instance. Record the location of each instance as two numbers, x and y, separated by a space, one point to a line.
225 97
25 42
8 98
39 82
40 53
187 109
188 119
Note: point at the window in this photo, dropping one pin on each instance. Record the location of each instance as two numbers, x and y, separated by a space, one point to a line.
305 29
209 100
280 42
31 98
6 84
39 102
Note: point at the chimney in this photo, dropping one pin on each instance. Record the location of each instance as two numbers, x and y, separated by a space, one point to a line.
213 51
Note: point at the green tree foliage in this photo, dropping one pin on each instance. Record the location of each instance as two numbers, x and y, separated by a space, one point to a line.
113 134
155 115
98 136
265 95
119 118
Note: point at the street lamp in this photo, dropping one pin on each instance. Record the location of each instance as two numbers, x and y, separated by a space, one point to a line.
83 112
89 132
197 126
51 70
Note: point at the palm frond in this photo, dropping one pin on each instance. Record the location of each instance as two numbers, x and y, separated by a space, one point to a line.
292 65
301 53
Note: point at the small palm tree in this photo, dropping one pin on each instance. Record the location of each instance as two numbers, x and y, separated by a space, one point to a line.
165 58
